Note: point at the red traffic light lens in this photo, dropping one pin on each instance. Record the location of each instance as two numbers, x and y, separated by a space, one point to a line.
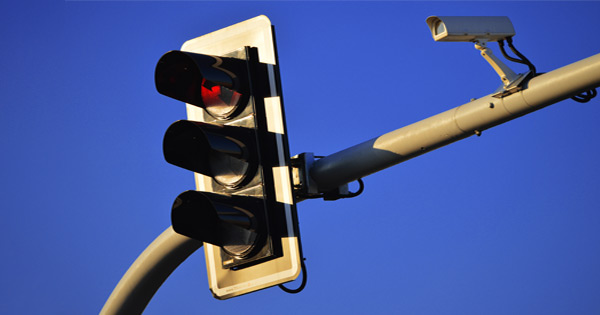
205 81
219 101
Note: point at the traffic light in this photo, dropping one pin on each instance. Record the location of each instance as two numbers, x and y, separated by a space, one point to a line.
235 143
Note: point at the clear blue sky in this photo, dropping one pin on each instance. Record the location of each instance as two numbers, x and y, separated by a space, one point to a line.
505 223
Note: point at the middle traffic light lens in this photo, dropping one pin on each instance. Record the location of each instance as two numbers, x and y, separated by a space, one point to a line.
213 150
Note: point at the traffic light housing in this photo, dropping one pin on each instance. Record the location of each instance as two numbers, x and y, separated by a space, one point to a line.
235 143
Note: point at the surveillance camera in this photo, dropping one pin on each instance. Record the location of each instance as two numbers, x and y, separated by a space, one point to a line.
470 28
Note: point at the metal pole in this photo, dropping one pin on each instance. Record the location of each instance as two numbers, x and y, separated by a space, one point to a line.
137 287
458 123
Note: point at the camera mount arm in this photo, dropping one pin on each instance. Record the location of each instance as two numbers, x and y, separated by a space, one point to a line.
506 74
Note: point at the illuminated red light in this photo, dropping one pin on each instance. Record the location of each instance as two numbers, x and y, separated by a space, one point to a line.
219 100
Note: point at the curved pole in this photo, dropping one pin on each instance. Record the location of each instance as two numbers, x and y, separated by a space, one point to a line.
133 293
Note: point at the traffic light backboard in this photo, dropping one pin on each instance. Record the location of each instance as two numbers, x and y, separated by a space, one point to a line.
235 142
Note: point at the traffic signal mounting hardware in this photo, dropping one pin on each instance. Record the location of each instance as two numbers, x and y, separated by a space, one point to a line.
235 142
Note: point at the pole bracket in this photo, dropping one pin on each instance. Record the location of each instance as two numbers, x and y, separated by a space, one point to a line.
511 81
305 187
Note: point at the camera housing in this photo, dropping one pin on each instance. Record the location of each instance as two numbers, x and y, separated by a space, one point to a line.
470 28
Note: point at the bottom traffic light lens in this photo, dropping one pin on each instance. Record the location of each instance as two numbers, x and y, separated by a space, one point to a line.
215 219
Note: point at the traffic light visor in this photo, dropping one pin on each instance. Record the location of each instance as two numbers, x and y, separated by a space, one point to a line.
210 150
200 80
210 218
